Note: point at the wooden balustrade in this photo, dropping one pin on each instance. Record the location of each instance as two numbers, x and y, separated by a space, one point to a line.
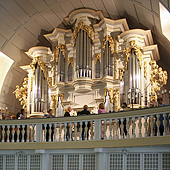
109 126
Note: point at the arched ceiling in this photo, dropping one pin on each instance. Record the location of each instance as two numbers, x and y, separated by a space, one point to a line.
24 22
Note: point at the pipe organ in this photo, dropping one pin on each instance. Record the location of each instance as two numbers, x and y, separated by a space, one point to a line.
96 60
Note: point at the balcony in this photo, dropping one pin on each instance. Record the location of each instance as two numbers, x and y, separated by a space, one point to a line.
100 131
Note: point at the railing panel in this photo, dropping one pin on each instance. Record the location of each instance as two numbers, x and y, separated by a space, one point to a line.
92 127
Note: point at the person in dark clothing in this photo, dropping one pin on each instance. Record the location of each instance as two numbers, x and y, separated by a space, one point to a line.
161 118
67 114
49 115
84 112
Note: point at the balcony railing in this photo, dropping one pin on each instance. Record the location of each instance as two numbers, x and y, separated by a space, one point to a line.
126 128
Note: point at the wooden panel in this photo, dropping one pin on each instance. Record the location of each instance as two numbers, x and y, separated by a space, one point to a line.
88 4
111 8
99 5
34 28
131 15
157 23
49 2
146 4
155 6
27 7
28 37
50 16
120 6
67 7
20 43
15 11
164 2
142 17
5 30
76 4
2 40
43 23
8 19
39 4
59 12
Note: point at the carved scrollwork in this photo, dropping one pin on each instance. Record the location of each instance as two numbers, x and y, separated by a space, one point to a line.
62 48
111 43
110 94
116 98
97 57
42 65
145 70
21 93
82 26
137 49
70 61
49 81
121 72
157 80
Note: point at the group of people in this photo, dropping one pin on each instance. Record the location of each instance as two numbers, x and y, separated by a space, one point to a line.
85 111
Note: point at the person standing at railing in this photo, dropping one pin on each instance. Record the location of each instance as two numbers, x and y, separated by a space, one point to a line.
5 135
49 115
67 114
84 112
161 118
102 110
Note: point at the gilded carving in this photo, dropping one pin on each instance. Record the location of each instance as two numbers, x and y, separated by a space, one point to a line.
111 43
62 48
86 28
116 51
121 72
42 65
21 93
70 61
137 49
110 94
116 98
53 101
126 51
97 57
157 80
49 81
145 70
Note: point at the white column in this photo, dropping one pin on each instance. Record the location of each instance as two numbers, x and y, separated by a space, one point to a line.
38 132
46 162
101 159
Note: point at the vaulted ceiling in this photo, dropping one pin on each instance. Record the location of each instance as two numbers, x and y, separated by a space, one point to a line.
24 22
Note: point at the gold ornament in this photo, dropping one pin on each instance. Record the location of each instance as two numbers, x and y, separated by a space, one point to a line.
116 98
116 52
157 80
137 49
86 28
42 65
97 57
145 70
60 48
111 43
121 72
49 81
70 61
21 93
110 94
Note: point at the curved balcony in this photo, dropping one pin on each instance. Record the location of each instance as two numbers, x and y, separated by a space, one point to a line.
108 130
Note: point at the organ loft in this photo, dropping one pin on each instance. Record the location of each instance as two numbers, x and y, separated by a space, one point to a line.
97 60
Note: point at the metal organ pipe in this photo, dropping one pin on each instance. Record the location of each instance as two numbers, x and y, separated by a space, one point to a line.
134 79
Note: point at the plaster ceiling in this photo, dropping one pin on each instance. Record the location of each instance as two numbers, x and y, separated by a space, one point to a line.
24 22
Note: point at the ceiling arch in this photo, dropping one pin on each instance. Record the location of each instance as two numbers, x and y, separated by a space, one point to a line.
23 24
